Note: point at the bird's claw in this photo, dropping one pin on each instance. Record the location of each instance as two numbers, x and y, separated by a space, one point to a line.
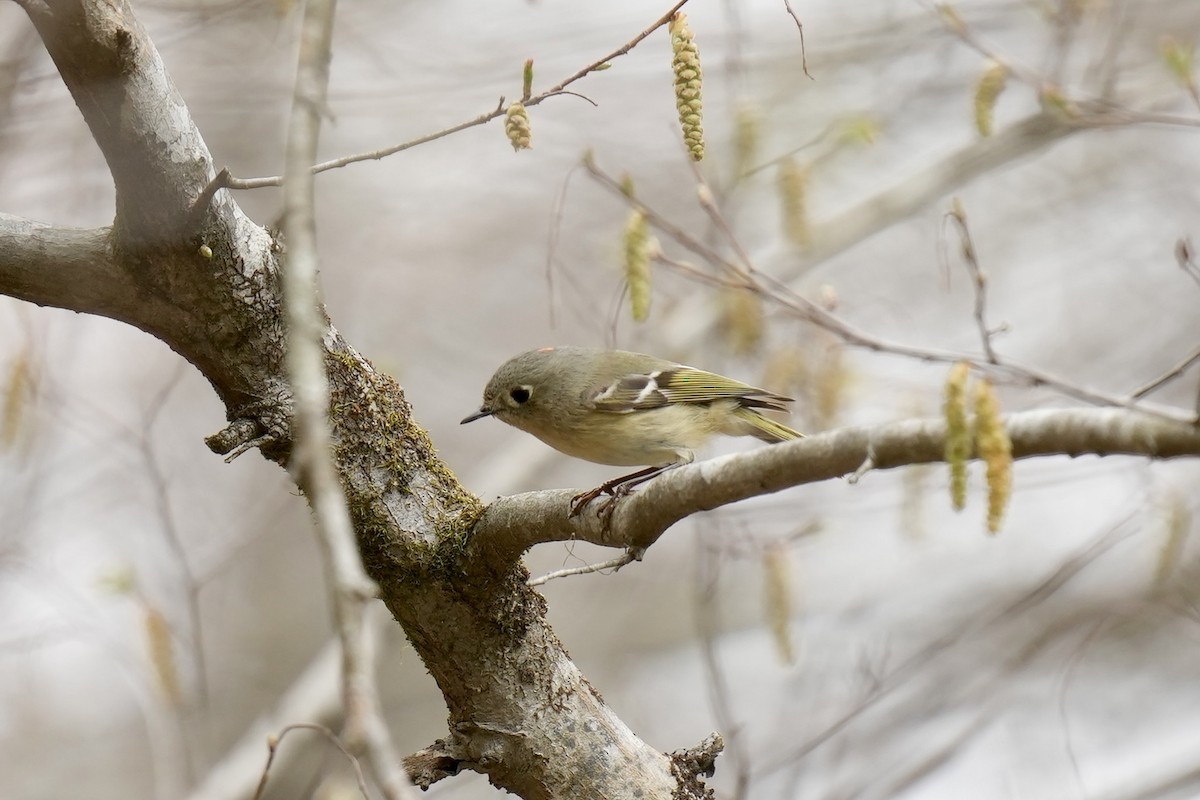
605 511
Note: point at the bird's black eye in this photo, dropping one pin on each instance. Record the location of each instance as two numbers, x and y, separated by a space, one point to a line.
519 394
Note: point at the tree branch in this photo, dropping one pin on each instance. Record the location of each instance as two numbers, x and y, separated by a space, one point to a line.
511 525
70 268
498 111
519 709
365 731
135 113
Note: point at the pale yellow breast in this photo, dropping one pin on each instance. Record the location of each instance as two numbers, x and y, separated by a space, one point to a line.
652 437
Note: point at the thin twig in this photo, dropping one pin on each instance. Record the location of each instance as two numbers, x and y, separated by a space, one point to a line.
556 221
580 95
799 27
498 111
200 206
1168 376
706 585
628 557
866 466
167 519
921 660
620 51
970 256
273 743
1066 28
1072 665
1185 257
708 202
967 36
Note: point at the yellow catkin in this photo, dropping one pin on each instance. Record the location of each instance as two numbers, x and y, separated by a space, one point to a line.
991 83
637 264
686 65
743 320
162 654
793 198
830 379
1177 525
777 600
995 448
18 391
958 433
747 135
516 127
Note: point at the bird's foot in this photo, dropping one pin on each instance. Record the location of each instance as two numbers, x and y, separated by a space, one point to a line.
615 492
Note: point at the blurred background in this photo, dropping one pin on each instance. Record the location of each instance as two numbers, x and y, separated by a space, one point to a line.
161 611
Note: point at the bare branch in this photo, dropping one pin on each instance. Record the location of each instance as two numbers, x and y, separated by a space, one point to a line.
311 697
273 746
312 460
978 279
513 524
129 102
498 111
800 27
70 268
917 191
628 557
740 277
1168 376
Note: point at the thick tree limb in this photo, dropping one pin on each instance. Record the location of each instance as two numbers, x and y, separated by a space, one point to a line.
135 113
513 524
69 268
519 709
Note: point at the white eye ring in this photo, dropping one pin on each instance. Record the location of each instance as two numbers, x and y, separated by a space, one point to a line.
520 394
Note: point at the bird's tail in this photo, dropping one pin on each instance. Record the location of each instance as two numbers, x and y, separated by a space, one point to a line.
765 428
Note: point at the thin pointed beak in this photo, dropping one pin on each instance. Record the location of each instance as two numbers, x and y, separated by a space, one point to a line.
483 412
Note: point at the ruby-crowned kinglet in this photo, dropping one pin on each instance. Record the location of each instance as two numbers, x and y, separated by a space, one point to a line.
625 409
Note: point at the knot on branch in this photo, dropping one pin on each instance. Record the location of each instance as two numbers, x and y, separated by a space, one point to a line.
242 434
690 765
427 767
235 433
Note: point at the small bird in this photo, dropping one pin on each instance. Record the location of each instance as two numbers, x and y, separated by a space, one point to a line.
625 409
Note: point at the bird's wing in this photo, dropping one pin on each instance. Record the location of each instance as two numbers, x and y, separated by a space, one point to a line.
679 384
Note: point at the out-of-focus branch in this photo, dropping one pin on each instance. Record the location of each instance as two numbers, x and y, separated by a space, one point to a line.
744 276
970 257
365 730
310 697
273 748
513 524
917 191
